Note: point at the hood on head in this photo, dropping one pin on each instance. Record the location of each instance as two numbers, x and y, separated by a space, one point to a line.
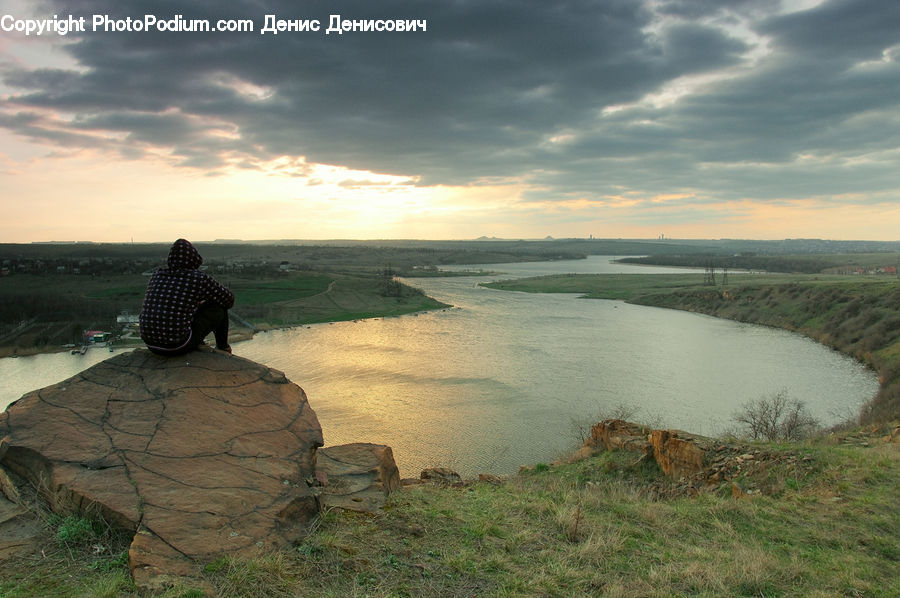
184 256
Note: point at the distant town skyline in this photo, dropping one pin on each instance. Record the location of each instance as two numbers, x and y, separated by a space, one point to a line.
743 119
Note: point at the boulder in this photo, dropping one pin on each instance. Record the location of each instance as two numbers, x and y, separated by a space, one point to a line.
680 454
358 476
617 434
199 455
490 478
440 476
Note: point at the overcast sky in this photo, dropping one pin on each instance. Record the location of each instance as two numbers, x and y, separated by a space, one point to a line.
508 118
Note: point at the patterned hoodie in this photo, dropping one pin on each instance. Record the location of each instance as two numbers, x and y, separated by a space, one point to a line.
173 296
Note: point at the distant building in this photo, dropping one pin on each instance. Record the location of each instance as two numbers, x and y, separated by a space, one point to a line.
95 336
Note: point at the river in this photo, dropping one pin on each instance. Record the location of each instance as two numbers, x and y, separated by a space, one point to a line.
503 379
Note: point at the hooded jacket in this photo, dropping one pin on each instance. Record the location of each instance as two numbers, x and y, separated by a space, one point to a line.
173 296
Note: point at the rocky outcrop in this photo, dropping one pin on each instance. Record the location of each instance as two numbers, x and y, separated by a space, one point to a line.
679 454
199 455
440 476
358 476
696 463
617 434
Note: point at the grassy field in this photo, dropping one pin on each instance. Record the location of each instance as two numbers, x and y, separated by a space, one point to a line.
296 298
326 298
824 526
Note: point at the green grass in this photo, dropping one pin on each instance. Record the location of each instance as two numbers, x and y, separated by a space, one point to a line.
252 292
132 292
589 528
73 530
343 298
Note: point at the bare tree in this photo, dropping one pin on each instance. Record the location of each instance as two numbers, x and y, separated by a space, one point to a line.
776 418
797 423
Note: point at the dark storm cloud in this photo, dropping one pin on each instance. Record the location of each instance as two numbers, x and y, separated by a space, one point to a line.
841 31
752 136
699 9
494 88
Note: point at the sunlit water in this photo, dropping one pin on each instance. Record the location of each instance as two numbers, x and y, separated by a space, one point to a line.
498 380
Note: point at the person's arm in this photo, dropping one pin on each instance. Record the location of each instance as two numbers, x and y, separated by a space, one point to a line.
219 293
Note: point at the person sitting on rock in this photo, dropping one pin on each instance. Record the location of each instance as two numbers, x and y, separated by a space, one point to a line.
183 305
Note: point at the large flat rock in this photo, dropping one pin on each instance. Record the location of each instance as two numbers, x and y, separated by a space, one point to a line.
200 455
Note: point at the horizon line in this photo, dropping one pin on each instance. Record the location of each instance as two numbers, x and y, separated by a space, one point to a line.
486 239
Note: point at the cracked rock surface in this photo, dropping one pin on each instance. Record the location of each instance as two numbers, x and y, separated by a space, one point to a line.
358 476
200 455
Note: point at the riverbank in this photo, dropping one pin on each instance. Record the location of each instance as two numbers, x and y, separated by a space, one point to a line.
855 315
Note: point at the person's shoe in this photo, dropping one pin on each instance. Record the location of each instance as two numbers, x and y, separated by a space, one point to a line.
226 348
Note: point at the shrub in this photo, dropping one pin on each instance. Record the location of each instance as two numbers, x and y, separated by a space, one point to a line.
776 418
74 530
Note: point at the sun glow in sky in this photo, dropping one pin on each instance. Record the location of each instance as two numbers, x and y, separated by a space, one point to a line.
743 119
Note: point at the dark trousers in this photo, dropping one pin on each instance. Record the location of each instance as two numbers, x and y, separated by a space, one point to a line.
210 317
